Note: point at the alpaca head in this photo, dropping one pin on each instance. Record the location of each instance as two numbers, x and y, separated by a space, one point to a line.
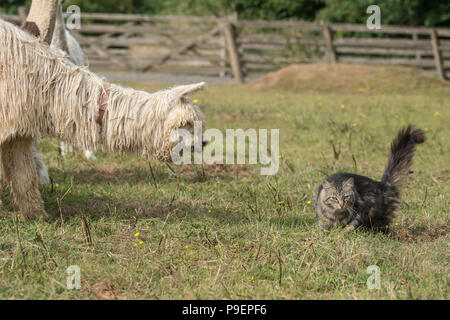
179 117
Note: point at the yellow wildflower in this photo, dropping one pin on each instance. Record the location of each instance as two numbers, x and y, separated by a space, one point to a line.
141 242
136 234
280 202
187 247
342 106
195 101
309 202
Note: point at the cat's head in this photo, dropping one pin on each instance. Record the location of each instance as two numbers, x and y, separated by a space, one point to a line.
338 197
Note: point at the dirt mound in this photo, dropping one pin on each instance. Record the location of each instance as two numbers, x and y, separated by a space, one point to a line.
349 78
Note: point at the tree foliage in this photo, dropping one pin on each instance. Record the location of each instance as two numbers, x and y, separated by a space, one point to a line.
397 12
393 12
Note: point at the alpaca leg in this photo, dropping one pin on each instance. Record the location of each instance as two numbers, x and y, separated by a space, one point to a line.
20 171
40 166
62 148
88 154
65 148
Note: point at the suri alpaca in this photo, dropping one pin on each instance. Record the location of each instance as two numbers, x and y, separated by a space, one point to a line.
44 94
63 39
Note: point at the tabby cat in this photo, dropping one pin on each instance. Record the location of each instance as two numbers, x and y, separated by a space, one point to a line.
352 200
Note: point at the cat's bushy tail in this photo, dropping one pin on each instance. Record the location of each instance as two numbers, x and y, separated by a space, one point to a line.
402 152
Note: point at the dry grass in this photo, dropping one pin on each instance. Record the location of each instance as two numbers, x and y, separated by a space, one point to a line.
350 79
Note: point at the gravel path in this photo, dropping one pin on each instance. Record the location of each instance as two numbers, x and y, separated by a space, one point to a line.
152 77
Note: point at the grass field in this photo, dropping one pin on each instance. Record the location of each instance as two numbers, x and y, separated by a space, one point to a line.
226 232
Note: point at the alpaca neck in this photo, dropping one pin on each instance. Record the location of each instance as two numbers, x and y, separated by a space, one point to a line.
59 35
131 121
43 14
74 107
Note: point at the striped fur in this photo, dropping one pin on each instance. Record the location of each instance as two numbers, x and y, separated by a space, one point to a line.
351 200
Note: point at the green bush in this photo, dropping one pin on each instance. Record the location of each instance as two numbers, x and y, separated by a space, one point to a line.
393 12
10 6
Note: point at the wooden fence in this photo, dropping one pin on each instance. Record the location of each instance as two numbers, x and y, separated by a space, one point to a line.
242 48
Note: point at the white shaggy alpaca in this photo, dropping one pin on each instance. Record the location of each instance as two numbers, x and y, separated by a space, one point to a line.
44 94
62 39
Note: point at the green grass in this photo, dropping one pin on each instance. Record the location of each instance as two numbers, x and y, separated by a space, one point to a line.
224 235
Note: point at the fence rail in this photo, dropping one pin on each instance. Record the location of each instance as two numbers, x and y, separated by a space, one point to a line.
209 46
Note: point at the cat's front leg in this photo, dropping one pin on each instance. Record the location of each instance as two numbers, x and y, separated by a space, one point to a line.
352 225
325 224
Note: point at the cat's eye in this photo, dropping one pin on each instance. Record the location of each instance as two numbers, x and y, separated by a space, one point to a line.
332 199
347 197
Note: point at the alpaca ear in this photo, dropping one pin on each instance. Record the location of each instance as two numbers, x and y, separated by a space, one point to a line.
181 91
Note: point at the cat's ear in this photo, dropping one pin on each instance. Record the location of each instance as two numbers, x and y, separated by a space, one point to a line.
349 183
327 185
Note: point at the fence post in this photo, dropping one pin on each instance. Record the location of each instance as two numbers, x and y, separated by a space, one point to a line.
329 42
415 37
23 13
223 55
437 54
233 53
